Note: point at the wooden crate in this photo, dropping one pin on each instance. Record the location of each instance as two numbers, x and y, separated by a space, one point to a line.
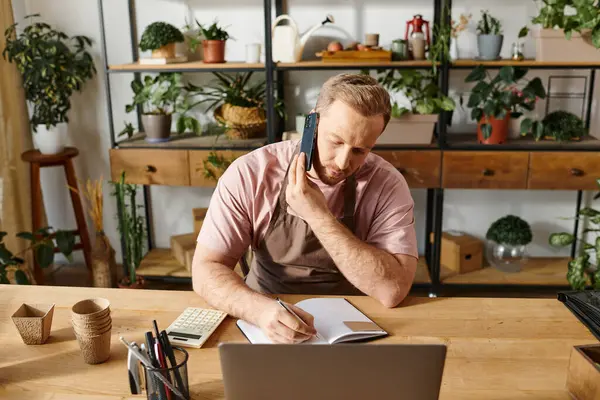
355 55
461 253
180 245
583 376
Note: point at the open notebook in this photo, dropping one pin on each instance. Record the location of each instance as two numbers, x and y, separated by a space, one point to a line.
336 321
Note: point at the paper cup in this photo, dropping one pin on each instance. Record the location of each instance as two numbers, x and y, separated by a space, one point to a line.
95 349
90 309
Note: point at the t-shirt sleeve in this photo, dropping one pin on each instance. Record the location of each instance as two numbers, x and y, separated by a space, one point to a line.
393 226
227 227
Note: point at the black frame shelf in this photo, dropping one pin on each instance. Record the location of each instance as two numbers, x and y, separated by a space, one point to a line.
275 76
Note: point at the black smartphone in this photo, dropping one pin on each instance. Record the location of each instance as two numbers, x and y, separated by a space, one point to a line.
309 138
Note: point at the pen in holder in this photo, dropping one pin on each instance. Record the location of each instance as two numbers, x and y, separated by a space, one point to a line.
177 376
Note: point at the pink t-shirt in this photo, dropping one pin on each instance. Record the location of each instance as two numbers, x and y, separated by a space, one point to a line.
246 195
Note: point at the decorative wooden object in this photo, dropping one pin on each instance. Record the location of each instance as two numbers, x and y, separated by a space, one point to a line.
180 245
355 55
38 160
460 253
583 376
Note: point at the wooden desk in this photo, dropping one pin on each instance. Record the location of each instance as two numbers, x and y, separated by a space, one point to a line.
497 348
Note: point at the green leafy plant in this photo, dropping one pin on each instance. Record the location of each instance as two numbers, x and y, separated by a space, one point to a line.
510 230
53 66
562 126
163 94
581 269
552 14
488 25
131 225
494 97
236 90
42 245
420 88
213 32
215 164
439 51
159 34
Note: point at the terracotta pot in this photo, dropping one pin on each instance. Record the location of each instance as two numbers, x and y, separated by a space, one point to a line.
499 130
167 51
139 283
214 51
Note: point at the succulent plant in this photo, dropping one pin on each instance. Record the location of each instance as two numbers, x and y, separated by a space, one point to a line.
510 230
159 34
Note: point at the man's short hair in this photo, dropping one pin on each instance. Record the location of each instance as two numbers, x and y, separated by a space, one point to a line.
361 92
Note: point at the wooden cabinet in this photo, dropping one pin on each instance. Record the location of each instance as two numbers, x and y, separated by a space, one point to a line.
420 168
567 171
151 167
207 166
485 169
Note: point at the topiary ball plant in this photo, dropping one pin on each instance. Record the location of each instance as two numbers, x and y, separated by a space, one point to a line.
562 126
510 230
158 36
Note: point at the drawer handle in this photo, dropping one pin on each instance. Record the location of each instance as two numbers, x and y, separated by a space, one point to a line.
576 172
150 168
488 172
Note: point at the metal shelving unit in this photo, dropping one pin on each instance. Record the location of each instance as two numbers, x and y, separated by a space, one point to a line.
275 75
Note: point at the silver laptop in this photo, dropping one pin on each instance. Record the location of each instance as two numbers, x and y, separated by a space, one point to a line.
343 371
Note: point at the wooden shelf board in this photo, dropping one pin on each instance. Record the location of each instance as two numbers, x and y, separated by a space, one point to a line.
190 65
193 141
537 271
524 63
470 140
354 64
160 263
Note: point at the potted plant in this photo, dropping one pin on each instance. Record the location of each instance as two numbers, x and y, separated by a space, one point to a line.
132 230
490 37
12 268
53 66
507 240
160 97
581 270
238 104
562 126
160 38
213 44
413 124
495 100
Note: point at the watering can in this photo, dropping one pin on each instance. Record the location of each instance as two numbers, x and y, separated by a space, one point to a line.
287 43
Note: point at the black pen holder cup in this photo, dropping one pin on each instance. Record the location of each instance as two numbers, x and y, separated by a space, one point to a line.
177 376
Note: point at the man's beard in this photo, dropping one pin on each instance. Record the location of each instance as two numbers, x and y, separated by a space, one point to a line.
324 176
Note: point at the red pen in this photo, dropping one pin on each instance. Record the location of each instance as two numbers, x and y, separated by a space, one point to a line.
160 355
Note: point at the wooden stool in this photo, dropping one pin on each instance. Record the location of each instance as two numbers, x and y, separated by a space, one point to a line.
38 160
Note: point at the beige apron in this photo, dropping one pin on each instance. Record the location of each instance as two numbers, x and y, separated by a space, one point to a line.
290 258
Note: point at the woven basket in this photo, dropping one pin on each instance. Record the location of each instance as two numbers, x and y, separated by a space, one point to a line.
242 122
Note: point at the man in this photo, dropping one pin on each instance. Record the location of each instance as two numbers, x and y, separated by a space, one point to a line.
344 227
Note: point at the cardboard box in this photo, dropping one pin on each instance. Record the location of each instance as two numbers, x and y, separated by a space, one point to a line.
198 214
461 253
180 244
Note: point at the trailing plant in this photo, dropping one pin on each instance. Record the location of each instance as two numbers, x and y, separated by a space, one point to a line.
562 126
439 51
42 245
52 65
488 25
421 90
215 164
497 96
213 32
130 225
510 230
582 269
552 14
159 34
235 90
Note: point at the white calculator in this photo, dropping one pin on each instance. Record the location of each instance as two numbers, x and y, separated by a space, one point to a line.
194 326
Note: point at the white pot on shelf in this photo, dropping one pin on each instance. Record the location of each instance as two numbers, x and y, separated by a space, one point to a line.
51 141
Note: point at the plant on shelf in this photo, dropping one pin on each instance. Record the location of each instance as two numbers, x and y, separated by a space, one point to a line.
508 238
215 165
582 270
213 38
495 100
42 246
160 37
238 104
131 229
439 51
489 36
53 66
562 126
159 98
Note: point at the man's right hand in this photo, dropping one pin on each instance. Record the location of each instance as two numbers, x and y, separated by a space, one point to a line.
282 327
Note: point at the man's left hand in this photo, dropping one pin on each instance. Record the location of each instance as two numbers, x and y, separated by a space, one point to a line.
303 196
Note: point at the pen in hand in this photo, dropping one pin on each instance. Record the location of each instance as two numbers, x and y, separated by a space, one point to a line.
296 315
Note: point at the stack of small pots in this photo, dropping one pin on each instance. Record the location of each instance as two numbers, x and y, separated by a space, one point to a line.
92 325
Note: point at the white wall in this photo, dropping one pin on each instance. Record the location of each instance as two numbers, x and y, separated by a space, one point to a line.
468 210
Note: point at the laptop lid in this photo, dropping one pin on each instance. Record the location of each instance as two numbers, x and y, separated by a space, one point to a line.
343 371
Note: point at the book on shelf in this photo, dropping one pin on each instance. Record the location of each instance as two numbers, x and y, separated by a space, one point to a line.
162 60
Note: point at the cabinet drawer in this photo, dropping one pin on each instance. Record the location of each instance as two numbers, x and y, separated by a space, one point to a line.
568 171
151 167
421 169
485 170
207 166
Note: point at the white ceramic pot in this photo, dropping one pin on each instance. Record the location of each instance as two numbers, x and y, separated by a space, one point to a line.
51 141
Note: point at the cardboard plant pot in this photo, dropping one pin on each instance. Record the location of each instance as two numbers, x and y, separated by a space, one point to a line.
583 375
409 129
499 130
34 322
552 45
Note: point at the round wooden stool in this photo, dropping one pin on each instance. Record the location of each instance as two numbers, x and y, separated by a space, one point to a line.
38 160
